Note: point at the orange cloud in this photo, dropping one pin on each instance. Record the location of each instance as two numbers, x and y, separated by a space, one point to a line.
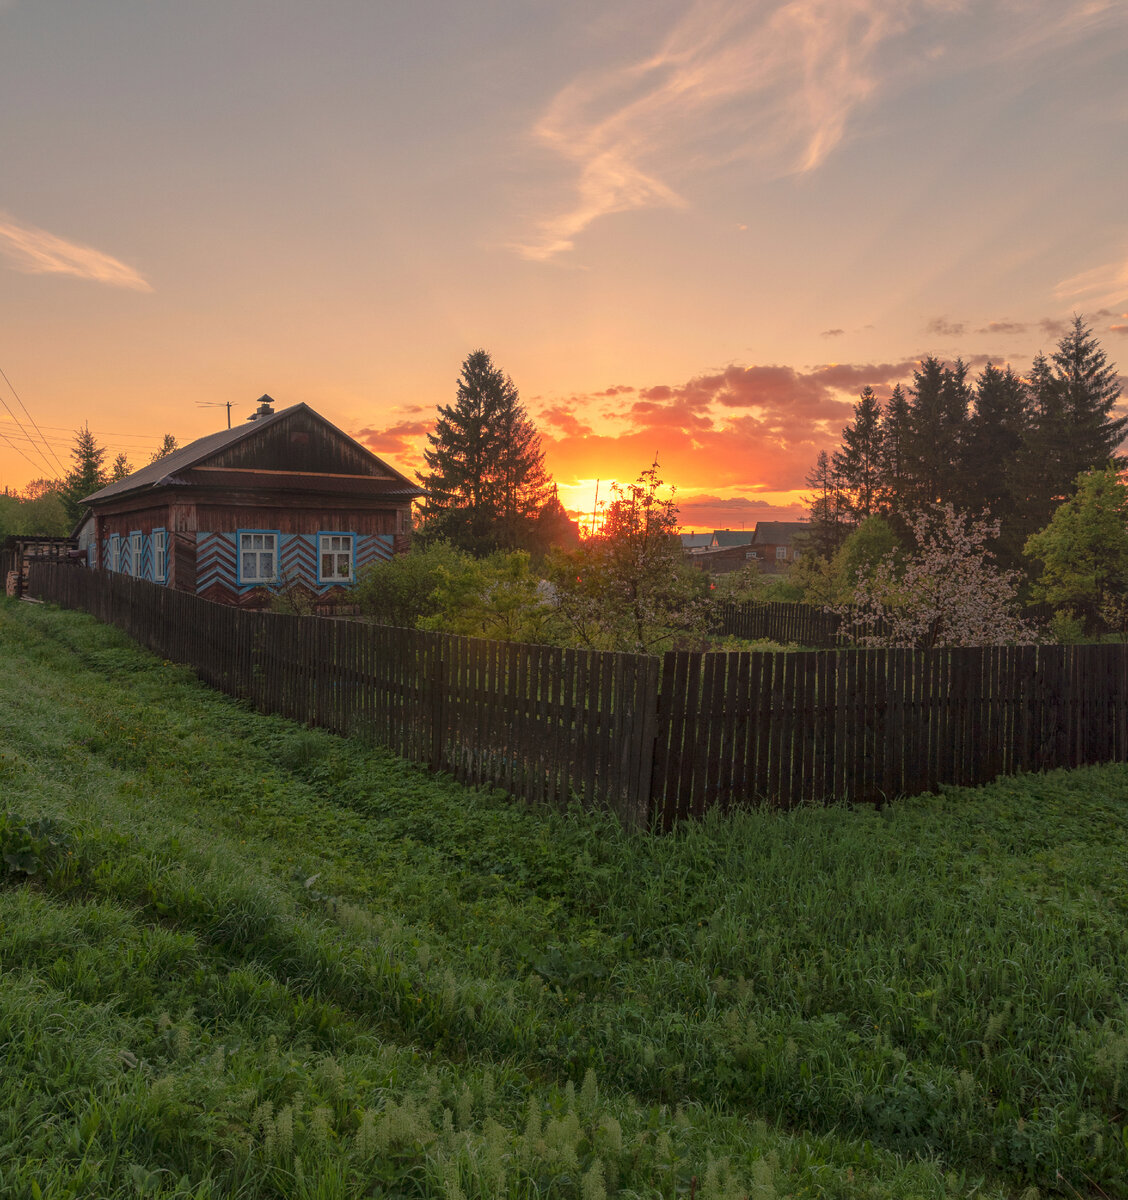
37 252
561 417
403 439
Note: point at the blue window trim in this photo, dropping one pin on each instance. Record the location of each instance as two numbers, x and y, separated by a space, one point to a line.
160 569
240 581
352 554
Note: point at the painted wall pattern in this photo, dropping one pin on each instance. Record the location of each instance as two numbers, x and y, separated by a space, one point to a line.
125 556
217 561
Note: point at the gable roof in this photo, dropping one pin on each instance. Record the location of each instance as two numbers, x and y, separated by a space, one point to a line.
779 533
731 537
170 470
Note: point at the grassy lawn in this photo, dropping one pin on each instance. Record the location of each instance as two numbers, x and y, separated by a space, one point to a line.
240 958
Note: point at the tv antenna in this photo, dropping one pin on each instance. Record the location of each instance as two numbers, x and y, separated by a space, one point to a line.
227 404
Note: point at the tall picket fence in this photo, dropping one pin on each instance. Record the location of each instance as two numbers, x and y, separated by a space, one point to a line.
654 739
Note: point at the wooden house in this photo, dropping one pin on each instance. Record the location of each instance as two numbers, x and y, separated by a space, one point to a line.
285 502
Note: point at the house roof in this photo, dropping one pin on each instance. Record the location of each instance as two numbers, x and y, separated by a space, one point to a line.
731 537
779 533
691 541
171 470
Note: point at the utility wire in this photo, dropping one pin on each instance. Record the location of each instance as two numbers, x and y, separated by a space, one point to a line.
32 420
17 449
31 440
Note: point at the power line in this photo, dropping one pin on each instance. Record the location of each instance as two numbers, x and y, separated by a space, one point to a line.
16 448
31 440
32 420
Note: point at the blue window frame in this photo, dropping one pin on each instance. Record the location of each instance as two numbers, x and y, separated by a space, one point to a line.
336 557
257 551
160 555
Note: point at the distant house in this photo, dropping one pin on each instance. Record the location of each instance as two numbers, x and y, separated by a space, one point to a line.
772 545
284 500
696 543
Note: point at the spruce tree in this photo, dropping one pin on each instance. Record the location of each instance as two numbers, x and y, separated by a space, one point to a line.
1090 389
858 463
938 414
995 434
86 476
486 480
895 495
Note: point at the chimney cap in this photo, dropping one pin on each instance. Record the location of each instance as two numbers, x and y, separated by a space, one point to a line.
265 408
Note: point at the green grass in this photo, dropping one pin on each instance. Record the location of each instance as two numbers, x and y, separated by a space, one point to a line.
251 959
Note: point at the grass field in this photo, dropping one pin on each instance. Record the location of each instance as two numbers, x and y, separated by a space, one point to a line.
242 958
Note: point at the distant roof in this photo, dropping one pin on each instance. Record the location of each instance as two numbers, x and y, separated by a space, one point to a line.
730 537
167 471
691 540
779 533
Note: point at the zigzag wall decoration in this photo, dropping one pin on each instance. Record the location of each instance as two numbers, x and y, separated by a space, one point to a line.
215 561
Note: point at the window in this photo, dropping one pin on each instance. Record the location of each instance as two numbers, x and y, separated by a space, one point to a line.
160 555
135 554
115 552
258 557
781 552
335 557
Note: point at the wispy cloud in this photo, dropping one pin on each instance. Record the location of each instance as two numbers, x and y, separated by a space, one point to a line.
37 252
1103 285
776 82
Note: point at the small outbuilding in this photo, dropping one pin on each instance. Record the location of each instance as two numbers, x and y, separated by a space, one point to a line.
285 501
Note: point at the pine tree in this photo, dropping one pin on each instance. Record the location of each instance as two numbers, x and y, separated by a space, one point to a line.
938 416
995 434
1090 390
86 476
858 463
895 493
120 468
486 479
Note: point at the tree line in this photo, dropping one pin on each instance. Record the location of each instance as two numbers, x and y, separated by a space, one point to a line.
52 507
1000 443
954 499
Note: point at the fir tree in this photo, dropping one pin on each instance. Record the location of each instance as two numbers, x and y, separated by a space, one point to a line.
486 480
86 476
1090 390
120 468
896 435
858 463
938 414
995 435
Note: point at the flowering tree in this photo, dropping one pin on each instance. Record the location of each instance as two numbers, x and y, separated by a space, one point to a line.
949 593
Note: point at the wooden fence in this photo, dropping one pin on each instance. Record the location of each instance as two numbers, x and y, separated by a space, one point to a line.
656 740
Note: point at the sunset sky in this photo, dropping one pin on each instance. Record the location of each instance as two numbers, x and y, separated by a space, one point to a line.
690 230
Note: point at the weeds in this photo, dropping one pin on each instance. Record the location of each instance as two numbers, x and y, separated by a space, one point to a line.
271 962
